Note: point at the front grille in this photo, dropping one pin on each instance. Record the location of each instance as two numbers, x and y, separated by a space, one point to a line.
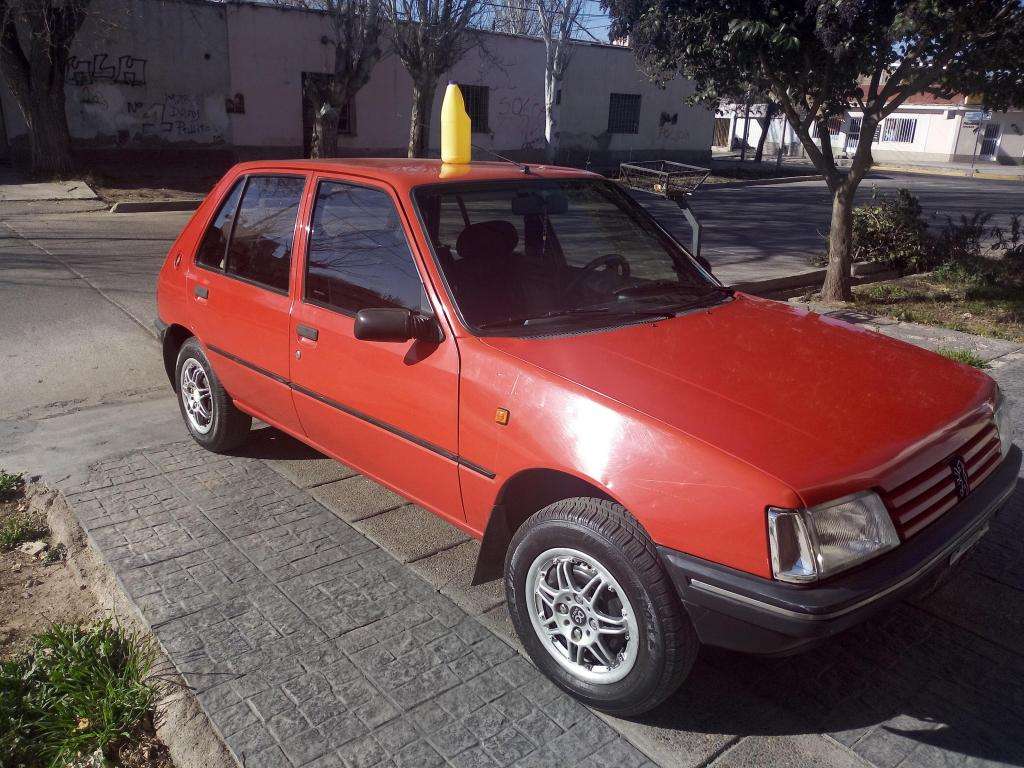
922 499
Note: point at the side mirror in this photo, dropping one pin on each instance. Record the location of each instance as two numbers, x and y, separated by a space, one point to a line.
393 324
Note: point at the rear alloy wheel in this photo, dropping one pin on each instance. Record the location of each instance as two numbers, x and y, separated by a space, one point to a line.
594 607
211 417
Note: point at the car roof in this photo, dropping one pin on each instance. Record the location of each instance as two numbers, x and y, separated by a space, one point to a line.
406 173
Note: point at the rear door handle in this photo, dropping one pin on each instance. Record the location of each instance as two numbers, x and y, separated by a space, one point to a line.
202 292
307 332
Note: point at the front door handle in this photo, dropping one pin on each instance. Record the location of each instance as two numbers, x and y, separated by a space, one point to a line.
307 332
202 292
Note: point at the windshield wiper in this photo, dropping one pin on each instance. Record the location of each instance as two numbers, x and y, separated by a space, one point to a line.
576 311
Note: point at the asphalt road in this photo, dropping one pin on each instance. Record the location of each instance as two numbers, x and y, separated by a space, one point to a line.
752 233
77 289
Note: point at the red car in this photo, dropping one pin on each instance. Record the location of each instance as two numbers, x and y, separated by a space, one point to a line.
651 459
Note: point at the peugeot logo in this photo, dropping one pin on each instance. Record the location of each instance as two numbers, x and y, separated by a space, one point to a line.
960 478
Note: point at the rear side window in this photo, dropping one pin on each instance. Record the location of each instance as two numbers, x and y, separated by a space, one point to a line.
261 243
215 241
358 255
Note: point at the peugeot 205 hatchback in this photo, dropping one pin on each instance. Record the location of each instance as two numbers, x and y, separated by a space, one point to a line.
651 459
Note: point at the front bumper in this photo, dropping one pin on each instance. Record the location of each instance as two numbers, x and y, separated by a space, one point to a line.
737 610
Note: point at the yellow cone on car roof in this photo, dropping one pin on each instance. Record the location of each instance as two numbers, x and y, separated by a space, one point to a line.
456 128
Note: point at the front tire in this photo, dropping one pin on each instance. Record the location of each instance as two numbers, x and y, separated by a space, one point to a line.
208 411
595 609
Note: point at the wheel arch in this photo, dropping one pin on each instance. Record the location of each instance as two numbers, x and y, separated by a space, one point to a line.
173 338
521 495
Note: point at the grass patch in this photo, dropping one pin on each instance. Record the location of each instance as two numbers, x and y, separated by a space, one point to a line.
965 356
78 691
10 484
20 527
948 299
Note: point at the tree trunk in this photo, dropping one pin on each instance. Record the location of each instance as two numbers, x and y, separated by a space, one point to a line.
746 131
419 125
840 244
49 137
759 152
551 118
325 132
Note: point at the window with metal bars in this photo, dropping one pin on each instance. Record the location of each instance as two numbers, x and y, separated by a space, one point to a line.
477 98
624 113
897 130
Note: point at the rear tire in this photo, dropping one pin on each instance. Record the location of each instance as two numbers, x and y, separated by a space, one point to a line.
208 411
636 643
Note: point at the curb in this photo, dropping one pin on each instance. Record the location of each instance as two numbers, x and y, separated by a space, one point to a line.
951 172
862 272
762 182
154 206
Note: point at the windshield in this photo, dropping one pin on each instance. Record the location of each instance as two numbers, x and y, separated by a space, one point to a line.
542 252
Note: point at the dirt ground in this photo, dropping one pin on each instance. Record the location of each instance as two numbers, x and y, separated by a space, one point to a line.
66 587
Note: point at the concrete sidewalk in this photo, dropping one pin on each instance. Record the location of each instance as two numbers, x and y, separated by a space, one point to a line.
306 643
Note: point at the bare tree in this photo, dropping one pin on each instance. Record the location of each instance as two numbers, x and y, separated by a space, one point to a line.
356 27
515 17
557 20
430 36
35 42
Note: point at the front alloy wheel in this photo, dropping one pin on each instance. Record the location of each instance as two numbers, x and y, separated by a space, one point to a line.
582 612
594 607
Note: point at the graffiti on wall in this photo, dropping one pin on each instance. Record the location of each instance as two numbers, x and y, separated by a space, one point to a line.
526 113
111 99
103 68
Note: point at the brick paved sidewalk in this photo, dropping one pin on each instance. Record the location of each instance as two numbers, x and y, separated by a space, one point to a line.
310 645
307 644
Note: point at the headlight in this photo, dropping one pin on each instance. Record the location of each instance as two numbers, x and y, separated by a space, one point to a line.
1004 422
811 544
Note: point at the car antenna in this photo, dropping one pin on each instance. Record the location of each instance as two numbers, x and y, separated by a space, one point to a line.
521 166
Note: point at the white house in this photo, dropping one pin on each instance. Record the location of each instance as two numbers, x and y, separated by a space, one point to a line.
924 129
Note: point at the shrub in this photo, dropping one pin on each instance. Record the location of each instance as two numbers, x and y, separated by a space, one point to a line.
892 231
77 691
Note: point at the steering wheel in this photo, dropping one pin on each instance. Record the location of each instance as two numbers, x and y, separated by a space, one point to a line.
608 260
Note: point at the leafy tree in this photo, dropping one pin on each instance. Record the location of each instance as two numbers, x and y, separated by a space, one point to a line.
558 18
430 36
35 43
356 26
817 58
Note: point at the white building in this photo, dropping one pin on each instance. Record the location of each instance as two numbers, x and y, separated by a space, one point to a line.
924 129
188 75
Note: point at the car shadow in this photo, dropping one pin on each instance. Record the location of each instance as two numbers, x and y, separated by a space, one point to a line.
942 674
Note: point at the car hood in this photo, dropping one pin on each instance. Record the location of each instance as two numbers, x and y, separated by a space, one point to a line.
824 406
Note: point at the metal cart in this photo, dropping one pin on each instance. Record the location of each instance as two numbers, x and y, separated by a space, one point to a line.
675 181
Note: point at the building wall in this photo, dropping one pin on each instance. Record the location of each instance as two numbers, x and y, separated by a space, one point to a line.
187 73
146 72
512 68
1010 149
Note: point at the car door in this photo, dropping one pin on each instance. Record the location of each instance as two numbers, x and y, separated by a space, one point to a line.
238 289
389 410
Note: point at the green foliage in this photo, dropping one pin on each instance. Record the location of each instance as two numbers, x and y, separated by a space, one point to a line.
9 484
965 356
77 690
892 231
19 527
814 53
